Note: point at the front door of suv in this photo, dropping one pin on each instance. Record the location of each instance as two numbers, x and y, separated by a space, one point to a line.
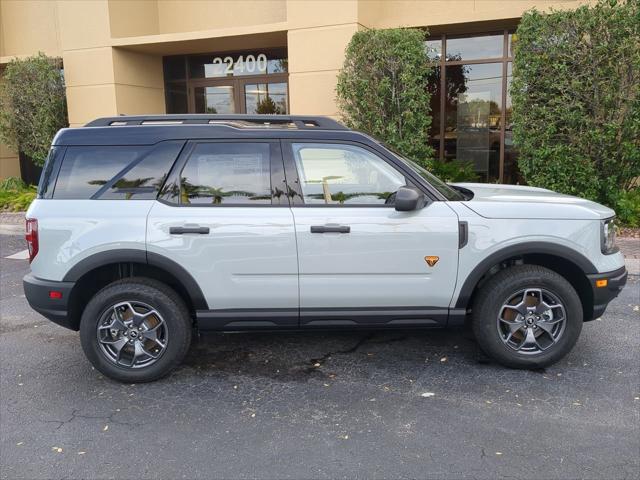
361 262
224 217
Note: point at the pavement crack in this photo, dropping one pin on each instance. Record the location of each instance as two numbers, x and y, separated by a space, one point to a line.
318 362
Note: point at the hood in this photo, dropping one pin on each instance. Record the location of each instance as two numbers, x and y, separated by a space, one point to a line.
515 201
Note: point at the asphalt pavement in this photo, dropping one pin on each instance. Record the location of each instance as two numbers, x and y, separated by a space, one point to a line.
324 405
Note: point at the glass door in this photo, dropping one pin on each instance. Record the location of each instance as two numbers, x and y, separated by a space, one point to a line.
216 98
239 96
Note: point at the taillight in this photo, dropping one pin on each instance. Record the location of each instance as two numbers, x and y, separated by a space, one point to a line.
32 238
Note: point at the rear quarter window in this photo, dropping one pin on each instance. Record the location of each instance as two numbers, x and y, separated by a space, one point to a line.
115 172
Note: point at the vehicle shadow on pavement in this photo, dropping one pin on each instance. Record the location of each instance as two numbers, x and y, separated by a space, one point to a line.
305 355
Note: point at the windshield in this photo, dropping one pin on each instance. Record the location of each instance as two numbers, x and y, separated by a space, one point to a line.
448 192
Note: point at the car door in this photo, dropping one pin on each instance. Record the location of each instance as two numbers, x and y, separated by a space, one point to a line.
361 262
223 216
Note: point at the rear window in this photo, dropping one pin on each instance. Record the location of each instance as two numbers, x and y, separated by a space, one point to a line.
115 172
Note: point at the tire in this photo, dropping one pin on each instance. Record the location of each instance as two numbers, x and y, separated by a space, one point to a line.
161 340
497 312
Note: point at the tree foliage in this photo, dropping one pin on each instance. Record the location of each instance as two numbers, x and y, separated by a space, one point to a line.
382 89
576 99
33 105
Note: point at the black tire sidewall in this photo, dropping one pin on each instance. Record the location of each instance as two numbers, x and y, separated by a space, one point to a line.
495 294
170 308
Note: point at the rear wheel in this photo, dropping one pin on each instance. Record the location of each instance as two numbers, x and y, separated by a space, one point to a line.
527 317
135 330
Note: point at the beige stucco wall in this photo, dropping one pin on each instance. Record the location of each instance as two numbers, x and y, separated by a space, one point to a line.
112 49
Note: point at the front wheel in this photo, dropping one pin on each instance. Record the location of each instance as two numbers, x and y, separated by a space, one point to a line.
135 330
527 316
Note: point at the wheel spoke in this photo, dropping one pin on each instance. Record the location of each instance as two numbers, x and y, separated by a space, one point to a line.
513 326
529 340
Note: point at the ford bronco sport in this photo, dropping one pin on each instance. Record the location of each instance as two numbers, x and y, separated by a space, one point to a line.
147 229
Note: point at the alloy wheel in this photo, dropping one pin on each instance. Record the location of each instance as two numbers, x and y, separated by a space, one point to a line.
531 321
132 334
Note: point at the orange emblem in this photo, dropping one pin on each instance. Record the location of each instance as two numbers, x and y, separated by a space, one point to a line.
431 260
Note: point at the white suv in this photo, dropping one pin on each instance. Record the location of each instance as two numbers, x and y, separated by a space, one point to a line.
146 228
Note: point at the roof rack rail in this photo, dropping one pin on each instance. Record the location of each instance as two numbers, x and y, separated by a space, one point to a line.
237 120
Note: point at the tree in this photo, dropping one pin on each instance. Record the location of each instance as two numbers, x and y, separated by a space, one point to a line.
33 105
383 90
576 99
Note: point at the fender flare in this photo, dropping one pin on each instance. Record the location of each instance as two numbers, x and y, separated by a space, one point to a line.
107 257
526 248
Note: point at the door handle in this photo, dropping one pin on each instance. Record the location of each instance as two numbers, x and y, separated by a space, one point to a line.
330 228
193 229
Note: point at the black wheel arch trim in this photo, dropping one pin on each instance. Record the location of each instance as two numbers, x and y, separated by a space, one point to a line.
526 248
140 256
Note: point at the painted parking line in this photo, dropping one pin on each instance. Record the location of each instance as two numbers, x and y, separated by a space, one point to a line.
23 255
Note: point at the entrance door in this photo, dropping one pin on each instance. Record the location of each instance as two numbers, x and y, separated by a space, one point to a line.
217 97
361 261
252 96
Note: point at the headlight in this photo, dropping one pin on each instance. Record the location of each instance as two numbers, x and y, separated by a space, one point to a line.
608 236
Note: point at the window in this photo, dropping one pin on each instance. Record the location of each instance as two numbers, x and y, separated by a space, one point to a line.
144 178
335 174
227 174
85 170
470 103
266 98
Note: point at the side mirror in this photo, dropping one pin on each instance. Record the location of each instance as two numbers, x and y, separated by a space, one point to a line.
408 199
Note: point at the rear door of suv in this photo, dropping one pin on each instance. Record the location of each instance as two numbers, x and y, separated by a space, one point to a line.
361 262
224 216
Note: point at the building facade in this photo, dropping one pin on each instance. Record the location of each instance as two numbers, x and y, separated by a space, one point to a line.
271 56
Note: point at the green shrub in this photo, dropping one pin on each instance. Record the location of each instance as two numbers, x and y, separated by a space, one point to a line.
455 171
576 99
33 105
15 195
628 208
382 89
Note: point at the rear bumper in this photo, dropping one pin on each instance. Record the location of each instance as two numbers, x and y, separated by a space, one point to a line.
38 295
616 281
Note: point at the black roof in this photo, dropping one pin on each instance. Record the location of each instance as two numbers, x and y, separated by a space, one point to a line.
150 129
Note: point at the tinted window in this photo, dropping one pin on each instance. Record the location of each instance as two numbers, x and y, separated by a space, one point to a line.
227 173
87 169
344 174
145 177
45 187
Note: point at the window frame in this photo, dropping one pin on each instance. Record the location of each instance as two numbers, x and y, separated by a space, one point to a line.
277 176
295 188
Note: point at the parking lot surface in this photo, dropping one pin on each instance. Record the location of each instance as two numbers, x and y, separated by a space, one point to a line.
326 405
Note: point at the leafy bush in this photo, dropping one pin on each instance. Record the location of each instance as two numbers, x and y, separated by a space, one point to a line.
455 171
15 195
33 105
382 89
628 207
576 99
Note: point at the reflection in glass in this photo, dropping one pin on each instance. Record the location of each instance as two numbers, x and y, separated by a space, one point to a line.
214 99
344 174
85 170
471 48
227 173
433 49
473 100
266 98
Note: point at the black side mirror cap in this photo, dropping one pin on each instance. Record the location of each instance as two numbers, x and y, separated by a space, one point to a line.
409 198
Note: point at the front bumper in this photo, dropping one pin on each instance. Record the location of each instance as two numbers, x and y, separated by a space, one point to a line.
38 293
602 295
